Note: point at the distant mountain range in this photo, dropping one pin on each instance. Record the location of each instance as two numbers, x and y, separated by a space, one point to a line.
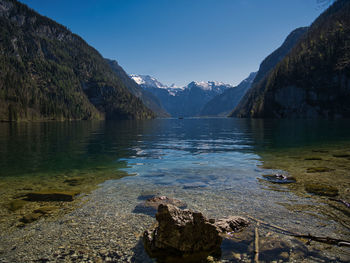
214 98
186 101
49 73
147 97
308 76
313 79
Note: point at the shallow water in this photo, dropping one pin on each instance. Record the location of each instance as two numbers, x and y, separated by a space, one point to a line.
214 165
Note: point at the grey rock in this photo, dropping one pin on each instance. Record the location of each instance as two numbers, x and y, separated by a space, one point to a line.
182 233
231 224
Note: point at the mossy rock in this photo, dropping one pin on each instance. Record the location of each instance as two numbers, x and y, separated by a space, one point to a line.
320 151
321 189
29 218
51 196
45 210
318 170
313 158
74 181
15 205
341 155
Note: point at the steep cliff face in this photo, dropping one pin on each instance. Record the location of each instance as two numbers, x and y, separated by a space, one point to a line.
147 98
48 73
222 104
313 80
275 57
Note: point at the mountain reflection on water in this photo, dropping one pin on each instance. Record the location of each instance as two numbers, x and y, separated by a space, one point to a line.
215 165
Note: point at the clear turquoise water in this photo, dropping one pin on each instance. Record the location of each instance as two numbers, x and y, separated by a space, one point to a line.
214 165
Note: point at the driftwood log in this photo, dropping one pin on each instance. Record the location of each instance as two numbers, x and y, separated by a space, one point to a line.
326 240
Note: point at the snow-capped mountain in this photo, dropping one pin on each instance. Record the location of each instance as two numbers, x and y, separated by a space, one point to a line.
182 101
147 82
215 86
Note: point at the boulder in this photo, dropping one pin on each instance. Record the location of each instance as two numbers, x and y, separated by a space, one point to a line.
185 234
51 196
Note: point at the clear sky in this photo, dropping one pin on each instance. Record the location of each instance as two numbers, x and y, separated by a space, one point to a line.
178 41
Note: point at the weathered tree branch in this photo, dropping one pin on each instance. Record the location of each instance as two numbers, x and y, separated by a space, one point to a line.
326 240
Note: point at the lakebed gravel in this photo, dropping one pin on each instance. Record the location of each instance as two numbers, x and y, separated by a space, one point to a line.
106 228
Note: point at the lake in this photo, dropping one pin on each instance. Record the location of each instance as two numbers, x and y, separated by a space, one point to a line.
219 166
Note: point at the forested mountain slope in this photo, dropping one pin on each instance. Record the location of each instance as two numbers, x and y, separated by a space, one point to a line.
147 98
222 104
313 80
49 73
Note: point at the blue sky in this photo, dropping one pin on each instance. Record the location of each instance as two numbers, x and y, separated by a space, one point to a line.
178 41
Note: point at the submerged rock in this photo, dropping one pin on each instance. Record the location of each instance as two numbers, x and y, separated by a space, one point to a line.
74 181
45 210
37 213
279 178
29 218
272 248
318 170
51 196
150 206
194 185
320 151
147 195
14 205
313 158
187 236
341 155
321 189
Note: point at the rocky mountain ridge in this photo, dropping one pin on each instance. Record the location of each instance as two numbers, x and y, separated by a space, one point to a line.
185 101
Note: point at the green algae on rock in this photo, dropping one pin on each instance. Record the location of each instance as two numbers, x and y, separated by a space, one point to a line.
321 189
313 158
15 205
51 196
318 170
74 181
341 155
29 218
46 209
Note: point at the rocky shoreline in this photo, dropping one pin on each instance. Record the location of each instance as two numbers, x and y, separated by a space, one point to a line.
106 228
